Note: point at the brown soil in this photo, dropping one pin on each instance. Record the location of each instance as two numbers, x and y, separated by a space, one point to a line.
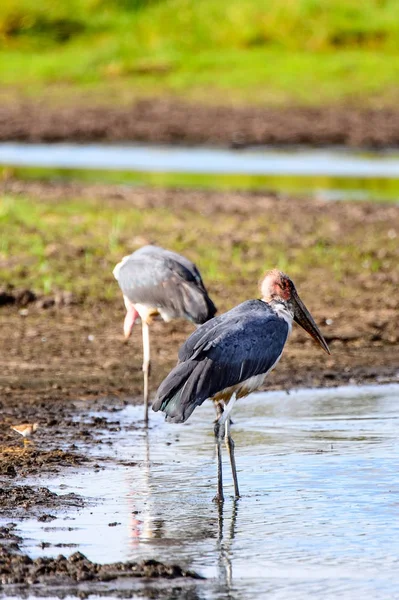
170 121
22 501
19 569
16 460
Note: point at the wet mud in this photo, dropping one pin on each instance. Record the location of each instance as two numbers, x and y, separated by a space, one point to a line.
22 501
175 122
19 569
27 461
64 575
9 538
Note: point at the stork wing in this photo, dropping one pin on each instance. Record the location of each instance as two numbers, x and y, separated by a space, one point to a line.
161 279
245 342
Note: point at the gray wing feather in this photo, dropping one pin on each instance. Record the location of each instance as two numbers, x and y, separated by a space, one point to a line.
227 350
162 279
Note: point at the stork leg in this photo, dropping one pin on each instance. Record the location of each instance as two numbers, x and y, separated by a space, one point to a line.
146 367
220 424
219 494
230 448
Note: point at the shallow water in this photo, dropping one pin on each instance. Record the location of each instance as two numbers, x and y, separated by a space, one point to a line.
260 161
328 174
318 517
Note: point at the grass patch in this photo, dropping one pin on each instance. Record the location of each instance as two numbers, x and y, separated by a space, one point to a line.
327 187
73 244
302 51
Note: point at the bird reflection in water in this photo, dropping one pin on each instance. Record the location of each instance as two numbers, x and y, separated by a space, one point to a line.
142 526
147 525
226 534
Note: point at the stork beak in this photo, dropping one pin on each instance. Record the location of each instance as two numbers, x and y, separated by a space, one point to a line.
303 317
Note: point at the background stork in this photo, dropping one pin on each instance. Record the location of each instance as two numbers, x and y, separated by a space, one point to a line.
155 281
229 356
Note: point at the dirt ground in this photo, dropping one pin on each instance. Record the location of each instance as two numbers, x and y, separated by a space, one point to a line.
62 358
54 352
174 122
20 569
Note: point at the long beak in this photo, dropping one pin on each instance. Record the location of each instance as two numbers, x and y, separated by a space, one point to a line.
303 317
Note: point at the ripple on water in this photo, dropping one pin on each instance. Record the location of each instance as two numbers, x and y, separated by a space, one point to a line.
318 470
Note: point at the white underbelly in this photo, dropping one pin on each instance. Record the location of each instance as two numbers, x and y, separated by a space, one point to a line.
252 384
245 387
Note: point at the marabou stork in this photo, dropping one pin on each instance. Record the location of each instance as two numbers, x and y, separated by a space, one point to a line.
230 356
155 281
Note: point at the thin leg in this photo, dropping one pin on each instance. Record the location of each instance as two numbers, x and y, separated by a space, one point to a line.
146 367
227 411
219 426
219 495
230 448
130 318
219 408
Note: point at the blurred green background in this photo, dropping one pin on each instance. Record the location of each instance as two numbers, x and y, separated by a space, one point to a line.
302 52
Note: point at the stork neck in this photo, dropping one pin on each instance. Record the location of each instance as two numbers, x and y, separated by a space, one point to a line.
283 311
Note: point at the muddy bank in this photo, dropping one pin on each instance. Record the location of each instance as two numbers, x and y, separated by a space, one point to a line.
22 461
22 501
20 569
174 122
9 538
65 432
76 575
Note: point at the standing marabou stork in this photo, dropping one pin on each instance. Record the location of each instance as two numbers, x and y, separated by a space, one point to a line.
230 356
155 282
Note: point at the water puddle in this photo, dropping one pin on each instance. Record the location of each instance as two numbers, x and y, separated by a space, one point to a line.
166 159
327 173
318 471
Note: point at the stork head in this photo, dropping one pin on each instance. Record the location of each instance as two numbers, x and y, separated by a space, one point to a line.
278 287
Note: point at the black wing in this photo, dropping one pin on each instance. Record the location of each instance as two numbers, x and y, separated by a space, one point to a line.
162 279
225 351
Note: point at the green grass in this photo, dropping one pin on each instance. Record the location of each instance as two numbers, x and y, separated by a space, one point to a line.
347 188
73 244
262 51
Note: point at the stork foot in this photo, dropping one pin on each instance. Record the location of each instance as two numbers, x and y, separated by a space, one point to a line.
218 499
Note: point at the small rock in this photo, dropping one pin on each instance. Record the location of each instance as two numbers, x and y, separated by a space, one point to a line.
46 303
64 299
24 297
6 297
46 518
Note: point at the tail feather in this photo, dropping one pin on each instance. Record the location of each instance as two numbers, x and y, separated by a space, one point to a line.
178 395
198 306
